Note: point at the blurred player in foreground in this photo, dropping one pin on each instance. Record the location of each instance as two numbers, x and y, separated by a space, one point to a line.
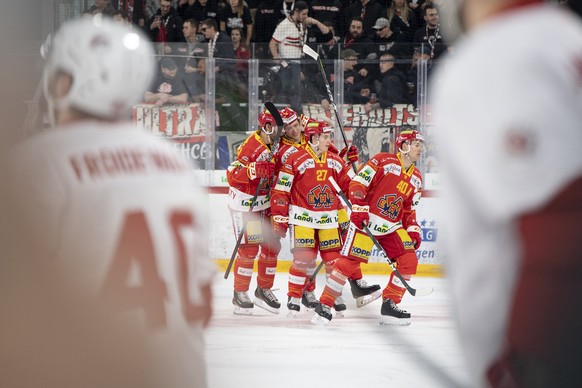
513 190
111 210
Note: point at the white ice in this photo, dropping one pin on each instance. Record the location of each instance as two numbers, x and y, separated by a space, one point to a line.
274 351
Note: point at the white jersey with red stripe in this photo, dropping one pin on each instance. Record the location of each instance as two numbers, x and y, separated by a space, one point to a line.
118 212
508 109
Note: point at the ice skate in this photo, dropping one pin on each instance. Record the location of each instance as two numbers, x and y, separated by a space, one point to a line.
265 299
242 303
322 315
391 314
293 304
363 293
339 305
309 300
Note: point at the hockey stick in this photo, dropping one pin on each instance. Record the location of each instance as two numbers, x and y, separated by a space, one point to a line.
413 291
275 113
309 51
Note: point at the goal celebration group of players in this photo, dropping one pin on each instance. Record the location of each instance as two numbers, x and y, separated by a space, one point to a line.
288 181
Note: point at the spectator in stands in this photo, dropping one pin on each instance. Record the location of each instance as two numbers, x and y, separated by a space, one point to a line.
193 53
368 11
357 88
431 34
165 27
358 41
204 9
237 15
241 51
184 9
169 87
286 8
421 53
403 20
391 87
102 7
220 48
119 16
328 11
416 7
266 20
329 49
134 11
386 39
242 54
286 46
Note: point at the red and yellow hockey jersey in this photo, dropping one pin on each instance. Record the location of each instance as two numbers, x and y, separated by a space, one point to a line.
286 148
391 191
242 188
303 192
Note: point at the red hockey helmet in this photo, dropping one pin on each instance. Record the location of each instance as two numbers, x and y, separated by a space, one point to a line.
407 135
288 115
266 117
303 120
316 127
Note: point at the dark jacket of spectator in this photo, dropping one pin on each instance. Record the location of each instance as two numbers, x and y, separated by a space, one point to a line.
172 24
391 88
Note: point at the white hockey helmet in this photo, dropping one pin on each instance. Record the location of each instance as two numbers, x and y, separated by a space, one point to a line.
110 64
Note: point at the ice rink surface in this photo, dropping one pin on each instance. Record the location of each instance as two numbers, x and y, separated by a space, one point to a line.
274 351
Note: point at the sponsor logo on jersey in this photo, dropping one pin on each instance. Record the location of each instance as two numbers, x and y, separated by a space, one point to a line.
390 206
288 153
414 181
280 219
392 168
284 181
365 176
334 164
303 217
258 202
359 252
408 244
304 242
321 197
310 163
383 229
254 238
330 243
325 219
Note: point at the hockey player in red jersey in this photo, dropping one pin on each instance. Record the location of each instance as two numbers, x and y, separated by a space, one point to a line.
292 139
304 201
384 196
253 170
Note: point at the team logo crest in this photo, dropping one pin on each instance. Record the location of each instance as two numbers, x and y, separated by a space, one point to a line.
321 197
390 206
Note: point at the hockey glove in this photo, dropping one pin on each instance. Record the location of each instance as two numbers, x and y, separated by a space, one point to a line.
352 154
360 215
261 170
414 233
280 225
